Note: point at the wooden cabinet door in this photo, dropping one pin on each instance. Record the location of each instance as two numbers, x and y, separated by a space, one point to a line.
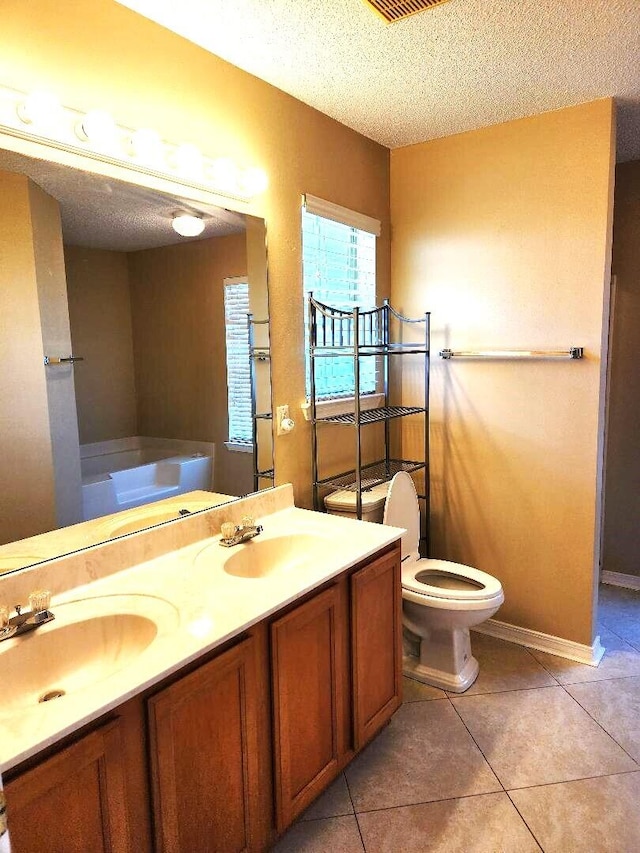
307 671
73 802
376 645
204 757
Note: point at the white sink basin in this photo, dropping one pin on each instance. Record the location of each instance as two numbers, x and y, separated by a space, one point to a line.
9 562
264 557
89 640
147 516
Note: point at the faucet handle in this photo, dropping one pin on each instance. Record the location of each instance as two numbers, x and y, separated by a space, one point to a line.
227 529
39 600
248 521
4 617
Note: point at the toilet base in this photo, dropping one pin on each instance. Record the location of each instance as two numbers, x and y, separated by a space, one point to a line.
440 656
453 682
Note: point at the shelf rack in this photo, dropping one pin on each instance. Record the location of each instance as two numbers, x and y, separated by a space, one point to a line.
379 333
257 355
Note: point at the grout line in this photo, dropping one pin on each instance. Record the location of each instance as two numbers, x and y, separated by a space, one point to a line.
534 658
430 802
546 668
569 781
355 814
463 696
523 819
501 690
599 680
599 724
477 745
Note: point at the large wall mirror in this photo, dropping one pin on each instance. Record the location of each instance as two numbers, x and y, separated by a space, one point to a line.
136 432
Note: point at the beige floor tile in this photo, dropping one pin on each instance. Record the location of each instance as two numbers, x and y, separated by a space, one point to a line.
424 754
618 609
534 737
620 660
615 705
505 666
334 835
334 802
416 691
588 816
485 824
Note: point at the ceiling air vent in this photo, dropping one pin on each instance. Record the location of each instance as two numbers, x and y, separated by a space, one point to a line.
396 10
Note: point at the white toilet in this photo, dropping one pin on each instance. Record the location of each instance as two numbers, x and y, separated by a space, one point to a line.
440 601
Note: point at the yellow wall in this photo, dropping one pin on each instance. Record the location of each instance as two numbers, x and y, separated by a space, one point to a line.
27 503
100 313
503 234
56 338
101 54
177 300
622 495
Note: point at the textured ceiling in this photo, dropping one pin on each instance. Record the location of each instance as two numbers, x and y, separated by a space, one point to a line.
102 213
459 66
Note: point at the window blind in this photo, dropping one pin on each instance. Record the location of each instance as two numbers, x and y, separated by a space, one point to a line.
339 268
236 308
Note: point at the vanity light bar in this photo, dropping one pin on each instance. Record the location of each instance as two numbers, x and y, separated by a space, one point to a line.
39 117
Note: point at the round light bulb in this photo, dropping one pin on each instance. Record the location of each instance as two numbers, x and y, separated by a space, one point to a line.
188 224
97 127
188 160
254 181
146 146
224 175
39 108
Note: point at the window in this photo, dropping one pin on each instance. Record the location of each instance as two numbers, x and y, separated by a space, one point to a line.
236 308
339 268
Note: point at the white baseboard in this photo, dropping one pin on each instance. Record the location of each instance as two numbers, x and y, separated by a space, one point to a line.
591 655
620 579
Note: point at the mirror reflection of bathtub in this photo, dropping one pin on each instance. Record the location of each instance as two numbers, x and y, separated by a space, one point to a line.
144 417
131 472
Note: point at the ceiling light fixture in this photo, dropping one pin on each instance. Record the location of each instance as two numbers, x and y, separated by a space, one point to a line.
187 224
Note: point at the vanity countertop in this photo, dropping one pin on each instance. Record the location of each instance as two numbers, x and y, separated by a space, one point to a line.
196 605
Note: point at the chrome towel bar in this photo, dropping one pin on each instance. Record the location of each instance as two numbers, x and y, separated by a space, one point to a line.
69 359
572 352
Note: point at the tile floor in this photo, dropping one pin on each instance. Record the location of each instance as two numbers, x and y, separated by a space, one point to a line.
539 754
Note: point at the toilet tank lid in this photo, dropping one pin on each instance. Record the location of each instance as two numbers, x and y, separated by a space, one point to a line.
346 500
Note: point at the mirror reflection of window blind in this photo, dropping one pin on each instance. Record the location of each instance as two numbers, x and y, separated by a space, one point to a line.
236 308
339 268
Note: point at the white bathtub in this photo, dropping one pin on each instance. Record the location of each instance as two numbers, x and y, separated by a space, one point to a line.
130 472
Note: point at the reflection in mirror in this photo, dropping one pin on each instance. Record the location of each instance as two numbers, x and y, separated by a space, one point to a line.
136 431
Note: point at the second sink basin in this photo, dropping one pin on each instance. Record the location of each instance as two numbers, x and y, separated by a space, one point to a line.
89 640
263 557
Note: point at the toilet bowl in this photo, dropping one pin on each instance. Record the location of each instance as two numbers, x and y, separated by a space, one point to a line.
440 601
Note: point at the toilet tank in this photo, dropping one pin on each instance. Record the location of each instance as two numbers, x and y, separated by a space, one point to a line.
344 503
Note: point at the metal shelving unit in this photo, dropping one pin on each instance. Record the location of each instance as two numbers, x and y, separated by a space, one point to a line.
258 355
376 333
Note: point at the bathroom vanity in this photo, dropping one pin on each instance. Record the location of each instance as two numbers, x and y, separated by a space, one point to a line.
277 661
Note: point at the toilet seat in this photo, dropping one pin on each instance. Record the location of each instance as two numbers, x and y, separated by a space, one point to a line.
475 589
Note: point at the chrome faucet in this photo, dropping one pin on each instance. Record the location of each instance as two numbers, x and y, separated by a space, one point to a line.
234 534
39 614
